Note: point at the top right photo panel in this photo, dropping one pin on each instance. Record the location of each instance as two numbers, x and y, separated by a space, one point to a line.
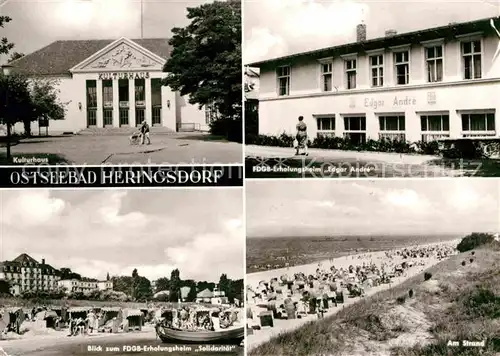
353 89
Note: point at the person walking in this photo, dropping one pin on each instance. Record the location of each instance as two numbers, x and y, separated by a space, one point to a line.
301 137
145 133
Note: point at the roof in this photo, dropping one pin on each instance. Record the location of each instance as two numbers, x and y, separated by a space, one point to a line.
49 61
206 293
25 258
449 31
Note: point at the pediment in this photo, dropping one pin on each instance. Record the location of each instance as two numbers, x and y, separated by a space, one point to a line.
122 55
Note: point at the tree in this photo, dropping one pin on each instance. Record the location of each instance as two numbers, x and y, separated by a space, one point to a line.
14 56
107 276
175 285
4 287
191 297
123 284
5 45
15 102
46 103
205 62
162 284
474 240
142 289
135 274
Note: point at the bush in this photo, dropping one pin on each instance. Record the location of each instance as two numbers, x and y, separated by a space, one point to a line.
473 241
482 303
427 276
346 144
230 128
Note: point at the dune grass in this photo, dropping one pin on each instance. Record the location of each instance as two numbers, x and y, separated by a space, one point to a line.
455 303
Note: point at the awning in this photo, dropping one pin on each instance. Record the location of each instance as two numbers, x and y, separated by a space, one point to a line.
46 314
132 312
79 310
111 309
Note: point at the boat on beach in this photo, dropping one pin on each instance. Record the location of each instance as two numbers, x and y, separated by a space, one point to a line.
233 335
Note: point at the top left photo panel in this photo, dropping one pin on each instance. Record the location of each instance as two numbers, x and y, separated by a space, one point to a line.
120 82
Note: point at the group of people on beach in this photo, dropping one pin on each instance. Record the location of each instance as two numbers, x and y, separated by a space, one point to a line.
195 319
290 297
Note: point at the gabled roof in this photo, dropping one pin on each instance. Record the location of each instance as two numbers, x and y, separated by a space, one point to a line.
450 31
25 258
206 293
59 57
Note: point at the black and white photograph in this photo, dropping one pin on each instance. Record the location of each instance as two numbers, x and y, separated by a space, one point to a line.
120 82
371 88
119 272
373 267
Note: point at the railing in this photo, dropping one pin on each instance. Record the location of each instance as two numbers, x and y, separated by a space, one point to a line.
392 136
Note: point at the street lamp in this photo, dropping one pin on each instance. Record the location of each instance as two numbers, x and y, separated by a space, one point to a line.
6 70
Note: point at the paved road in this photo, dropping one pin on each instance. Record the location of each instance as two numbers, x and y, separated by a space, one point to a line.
278 162
114 149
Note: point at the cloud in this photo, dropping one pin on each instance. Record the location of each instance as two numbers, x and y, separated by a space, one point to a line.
299 24
96 232
31 208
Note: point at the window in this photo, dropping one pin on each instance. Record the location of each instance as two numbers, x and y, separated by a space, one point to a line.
326 126
107 92
392 128
377 67
326 76
434 127
471 54
355 129
283 81
434 62
478 124
402 66
91 94
140 94
350 71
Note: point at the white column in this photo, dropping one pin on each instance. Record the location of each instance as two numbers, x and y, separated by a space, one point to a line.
116 105
99 114
412 126
339 125
131 103
372 126
148 109
455 124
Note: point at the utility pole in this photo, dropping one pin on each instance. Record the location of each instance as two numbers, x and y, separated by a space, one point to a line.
142 19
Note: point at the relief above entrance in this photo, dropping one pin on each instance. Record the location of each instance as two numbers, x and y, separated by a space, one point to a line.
123 57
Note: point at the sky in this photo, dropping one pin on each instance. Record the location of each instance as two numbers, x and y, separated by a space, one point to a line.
37 23
335 207
275 28
94 232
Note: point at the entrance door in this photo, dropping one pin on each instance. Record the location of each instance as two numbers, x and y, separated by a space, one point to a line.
156 115
123 116
91 117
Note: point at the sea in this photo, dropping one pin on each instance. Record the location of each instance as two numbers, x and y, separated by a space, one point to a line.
265 253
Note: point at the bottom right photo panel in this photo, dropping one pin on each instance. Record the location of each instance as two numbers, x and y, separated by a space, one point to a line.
382 267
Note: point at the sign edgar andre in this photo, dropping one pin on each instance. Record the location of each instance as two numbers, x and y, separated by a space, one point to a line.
123 75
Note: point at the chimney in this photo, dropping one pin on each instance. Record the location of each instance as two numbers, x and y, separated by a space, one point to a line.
390 33
361 32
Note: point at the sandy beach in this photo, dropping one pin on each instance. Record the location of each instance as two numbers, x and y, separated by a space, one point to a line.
418 265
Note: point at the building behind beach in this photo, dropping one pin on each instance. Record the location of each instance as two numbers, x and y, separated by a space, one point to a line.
112 83
84 285
424 85
24 273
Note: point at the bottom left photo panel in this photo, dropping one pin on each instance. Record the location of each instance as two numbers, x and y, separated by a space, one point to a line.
122 272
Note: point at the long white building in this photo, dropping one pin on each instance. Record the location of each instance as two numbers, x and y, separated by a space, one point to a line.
423 85
112 83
